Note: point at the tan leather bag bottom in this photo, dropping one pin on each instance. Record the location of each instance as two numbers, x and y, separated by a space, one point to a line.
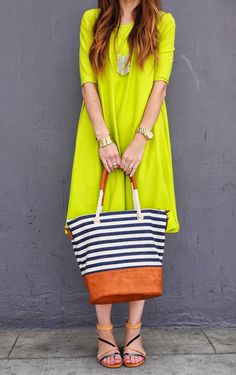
129 284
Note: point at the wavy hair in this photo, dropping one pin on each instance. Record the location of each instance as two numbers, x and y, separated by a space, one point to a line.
143 39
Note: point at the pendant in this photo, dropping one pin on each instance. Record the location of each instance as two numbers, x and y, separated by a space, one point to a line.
121 61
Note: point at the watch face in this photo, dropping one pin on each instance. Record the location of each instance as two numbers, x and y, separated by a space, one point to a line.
149 134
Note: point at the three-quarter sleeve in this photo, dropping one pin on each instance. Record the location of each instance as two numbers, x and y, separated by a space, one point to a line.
163 67
87 73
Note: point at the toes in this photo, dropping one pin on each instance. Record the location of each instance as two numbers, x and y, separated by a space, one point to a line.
113 359
133 358
117 358
127 359
110 360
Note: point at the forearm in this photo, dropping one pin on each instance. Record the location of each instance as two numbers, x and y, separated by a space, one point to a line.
94 109
152 109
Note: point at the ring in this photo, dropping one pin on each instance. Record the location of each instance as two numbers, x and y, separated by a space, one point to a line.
114 163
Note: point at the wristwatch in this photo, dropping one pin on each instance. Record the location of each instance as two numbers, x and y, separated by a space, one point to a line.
146 132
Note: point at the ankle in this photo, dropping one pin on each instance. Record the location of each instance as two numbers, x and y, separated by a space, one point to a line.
132 326
132 329
105 329
106 334
104 323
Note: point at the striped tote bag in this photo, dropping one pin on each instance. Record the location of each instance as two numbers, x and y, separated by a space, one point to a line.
120 253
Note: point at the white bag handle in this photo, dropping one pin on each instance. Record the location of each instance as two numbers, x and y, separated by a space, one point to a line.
136 202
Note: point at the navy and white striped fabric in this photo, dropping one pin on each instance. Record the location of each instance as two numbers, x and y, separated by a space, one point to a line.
119 240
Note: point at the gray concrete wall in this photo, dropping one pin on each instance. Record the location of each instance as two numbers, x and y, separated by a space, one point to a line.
40 99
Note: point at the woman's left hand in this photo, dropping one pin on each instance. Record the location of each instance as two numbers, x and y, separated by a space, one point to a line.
133 154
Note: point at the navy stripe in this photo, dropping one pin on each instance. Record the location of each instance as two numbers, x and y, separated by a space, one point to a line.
99 264
154 253
96 235
109 213
121 225
118 268
114 240
122 221
156 243
110 248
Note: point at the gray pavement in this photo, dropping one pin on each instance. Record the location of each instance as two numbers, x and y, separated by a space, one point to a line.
172 351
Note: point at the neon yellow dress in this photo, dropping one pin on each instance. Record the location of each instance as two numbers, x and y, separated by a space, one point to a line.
123 99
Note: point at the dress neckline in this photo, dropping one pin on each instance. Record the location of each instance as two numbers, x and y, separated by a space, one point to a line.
126 24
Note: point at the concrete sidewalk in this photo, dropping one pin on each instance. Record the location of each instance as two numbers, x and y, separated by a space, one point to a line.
172 351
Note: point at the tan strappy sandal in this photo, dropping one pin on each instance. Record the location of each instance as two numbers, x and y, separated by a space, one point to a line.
141 352
101 356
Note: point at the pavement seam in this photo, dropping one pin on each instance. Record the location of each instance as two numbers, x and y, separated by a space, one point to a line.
13 345
210 342
94 356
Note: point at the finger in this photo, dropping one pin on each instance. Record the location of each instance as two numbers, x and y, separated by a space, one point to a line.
125 164
114 163
109 162
122 162
129 168
106 165
134 169
118 161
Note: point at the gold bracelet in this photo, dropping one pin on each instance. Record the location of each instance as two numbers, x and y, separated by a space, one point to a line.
105 141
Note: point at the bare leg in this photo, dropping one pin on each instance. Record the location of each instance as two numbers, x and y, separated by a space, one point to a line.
104 318
135 309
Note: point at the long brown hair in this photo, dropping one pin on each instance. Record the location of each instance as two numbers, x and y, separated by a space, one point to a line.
143 39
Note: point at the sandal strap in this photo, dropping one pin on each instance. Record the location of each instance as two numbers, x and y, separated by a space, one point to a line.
132 325
104 327
134 338
108 342
105 356
137 350
100 356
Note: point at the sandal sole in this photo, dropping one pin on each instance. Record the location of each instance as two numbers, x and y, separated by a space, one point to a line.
111 366
133 364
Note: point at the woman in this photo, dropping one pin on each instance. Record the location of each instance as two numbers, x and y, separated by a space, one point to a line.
125 66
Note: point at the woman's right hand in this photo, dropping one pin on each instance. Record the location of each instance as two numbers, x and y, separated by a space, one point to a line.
110 157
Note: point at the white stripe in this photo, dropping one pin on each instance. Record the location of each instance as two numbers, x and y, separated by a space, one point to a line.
113 215
116 239
148 223
123 265
111 244
145 257
119 251
109 230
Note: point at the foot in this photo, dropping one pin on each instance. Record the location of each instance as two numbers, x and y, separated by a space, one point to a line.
137 343
102 346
